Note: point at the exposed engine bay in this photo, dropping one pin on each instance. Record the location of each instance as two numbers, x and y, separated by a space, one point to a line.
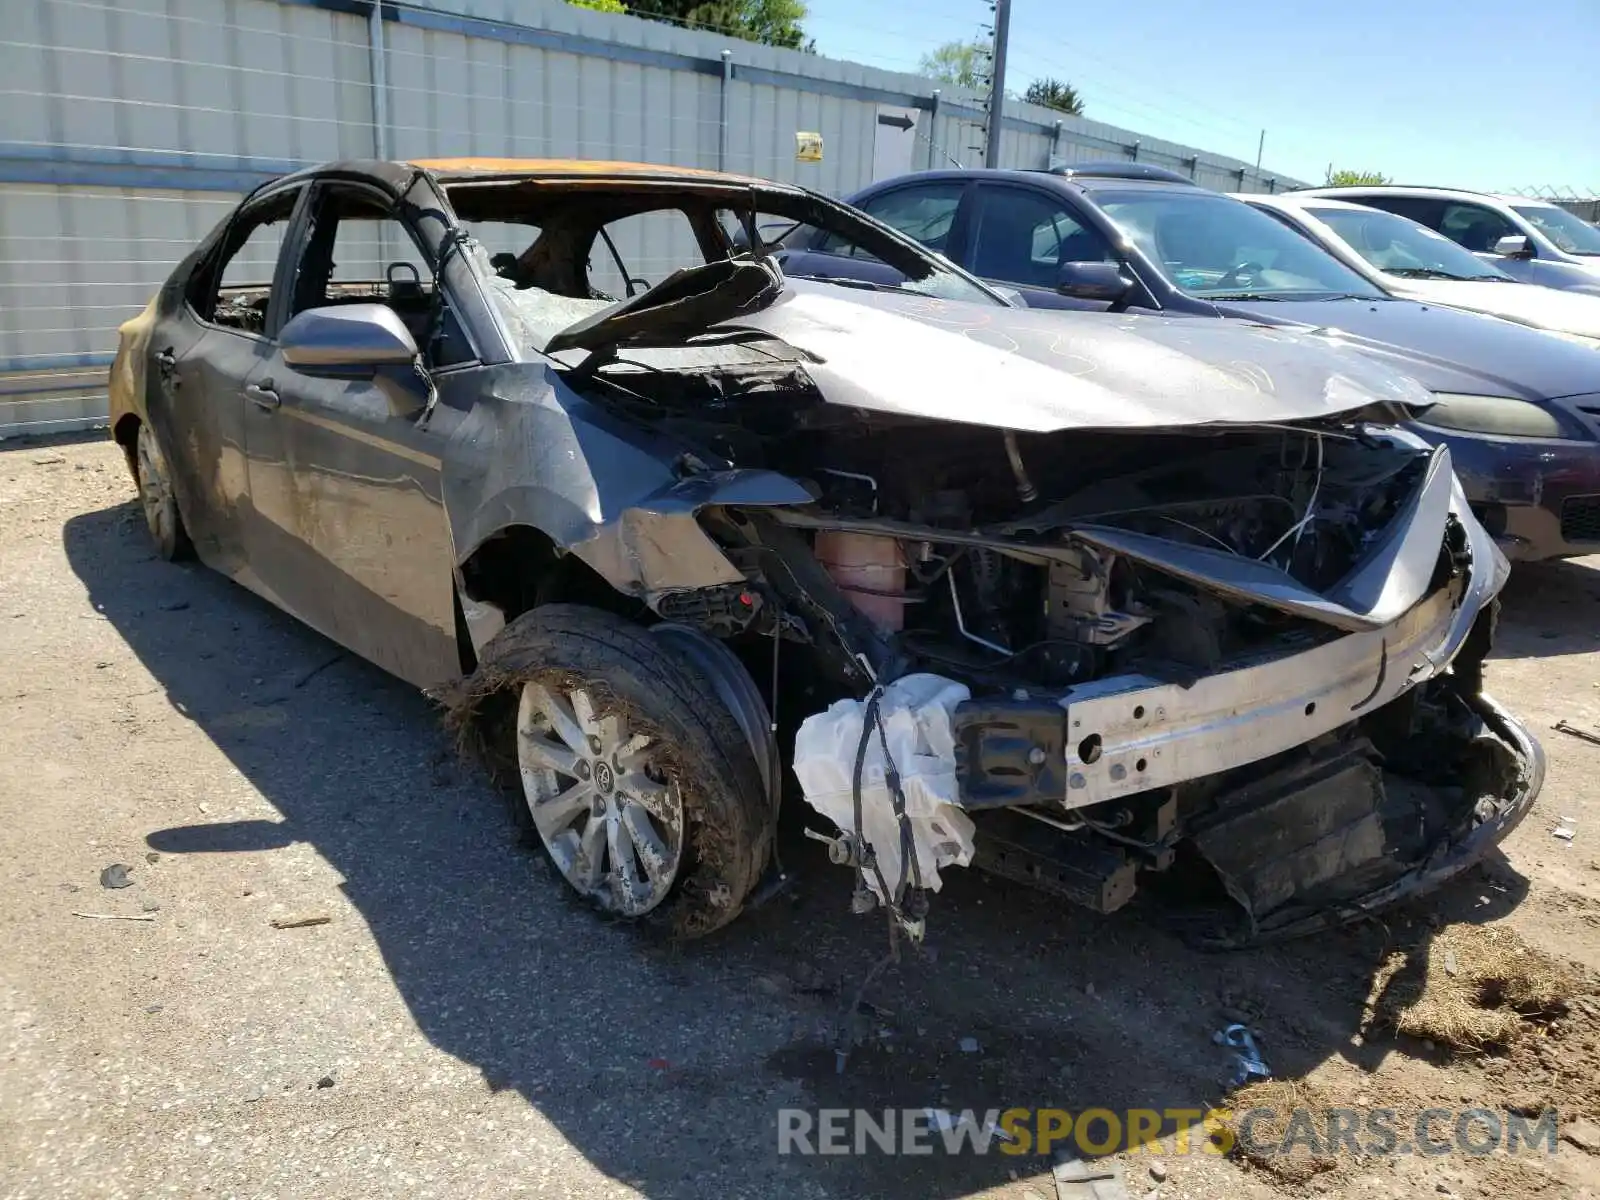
1112 605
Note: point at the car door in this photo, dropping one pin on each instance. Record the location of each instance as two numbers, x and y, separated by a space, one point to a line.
930 212
351 534
1022 236
1478 227
201 356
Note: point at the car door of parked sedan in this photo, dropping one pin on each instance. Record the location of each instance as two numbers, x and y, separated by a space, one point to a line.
351 535
1022 236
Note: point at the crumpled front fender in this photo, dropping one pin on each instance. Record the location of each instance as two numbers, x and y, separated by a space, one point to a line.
531 452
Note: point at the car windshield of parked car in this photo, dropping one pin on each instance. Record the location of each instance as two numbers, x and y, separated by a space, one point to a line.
1217 248
1570 233
1403 247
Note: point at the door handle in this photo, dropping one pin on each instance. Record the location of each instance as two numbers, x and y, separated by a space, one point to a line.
262 395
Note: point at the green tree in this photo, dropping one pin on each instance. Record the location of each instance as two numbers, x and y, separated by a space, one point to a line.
775 22
965 64
610 6
1056 94
1355 178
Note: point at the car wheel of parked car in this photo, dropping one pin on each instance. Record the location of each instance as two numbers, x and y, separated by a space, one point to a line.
156 496
635 777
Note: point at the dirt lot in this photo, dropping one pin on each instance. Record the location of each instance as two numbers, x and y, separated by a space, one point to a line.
458 1028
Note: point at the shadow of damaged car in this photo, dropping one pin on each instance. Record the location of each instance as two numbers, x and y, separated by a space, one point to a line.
1081 601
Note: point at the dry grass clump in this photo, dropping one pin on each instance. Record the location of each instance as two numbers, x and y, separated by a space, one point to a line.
1264 1149
1474 987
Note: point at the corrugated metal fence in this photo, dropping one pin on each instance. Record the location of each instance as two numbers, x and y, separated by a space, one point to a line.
128 128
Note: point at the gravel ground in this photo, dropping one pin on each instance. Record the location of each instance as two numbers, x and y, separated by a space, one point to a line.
456 1027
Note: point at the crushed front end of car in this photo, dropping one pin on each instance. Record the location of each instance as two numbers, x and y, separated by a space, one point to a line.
1097 604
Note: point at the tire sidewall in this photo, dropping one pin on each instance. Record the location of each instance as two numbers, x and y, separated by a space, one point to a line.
170 538
727 820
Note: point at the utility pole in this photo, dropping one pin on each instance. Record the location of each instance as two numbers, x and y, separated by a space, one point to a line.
1260 147
997 83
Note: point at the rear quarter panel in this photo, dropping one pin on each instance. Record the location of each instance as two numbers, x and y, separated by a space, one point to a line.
127 382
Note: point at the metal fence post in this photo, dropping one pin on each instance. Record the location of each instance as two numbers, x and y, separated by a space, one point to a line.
933 131
380 81
722 116
1054 152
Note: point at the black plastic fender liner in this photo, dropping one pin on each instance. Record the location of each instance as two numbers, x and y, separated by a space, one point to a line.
1443 861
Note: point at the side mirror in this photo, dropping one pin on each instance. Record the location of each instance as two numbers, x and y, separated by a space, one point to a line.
346 339
1514 246
1093 281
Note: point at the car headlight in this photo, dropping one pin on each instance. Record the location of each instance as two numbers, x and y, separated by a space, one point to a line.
1499 415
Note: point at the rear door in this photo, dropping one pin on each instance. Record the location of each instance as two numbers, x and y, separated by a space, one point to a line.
1020 236
201 358
351 533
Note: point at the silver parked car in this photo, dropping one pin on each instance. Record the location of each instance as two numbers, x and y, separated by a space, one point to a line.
1413 261
1531 240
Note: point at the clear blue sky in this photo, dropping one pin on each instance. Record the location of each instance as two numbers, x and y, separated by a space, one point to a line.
1470 93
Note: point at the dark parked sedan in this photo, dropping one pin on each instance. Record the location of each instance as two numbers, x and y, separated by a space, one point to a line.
1520 408
1067 599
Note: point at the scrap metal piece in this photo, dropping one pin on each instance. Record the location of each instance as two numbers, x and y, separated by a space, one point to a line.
1588 735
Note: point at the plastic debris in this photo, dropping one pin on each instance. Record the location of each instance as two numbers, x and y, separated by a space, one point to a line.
1566 829
116 876
1248 1064
915 711
942 1120
969 1045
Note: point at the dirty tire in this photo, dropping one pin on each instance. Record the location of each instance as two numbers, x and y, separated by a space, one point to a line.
157 499
726 821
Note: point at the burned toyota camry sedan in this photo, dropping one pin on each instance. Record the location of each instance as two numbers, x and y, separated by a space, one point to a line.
1097 603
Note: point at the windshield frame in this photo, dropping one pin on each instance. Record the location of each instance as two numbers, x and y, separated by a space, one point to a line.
548 204
1347 280
1556 225
1451 252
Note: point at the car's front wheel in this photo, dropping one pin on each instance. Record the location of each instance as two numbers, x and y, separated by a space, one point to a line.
157 499
634 777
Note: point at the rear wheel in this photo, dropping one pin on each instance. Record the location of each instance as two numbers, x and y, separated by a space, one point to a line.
157 499
634 777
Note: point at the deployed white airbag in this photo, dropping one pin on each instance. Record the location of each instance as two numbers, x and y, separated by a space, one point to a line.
916 712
